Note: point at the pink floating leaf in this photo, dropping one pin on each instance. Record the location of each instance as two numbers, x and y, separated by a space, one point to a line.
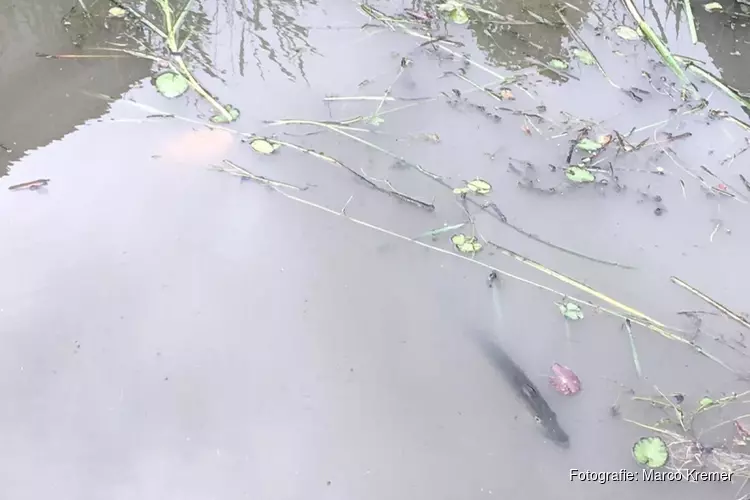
742 431
564 380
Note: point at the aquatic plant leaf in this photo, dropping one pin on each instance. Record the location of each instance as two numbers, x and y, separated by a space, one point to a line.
455 11
466 244
578 174
570 310
117 12
558 64
220 118
171 84
584 56
713 7
459 16
705 403
479 186
587 144
262 146
651 451
627 33
660 46
564 380
472 246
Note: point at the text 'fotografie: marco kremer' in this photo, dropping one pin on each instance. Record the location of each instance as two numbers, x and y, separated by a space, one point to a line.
624 475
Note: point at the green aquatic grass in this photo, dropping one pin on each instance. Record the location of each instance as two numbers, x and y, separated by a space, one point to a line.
660 47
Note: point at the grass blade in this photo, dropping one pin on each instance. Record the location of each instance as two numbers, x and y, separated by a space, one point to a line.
633 351
719 84
659 46
141 18
440 230
691 21
739 319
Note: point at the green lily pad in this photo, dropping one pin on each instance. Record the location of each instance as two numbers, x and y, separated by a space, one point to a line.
117 12
262 146
376 120
220 118
570 310
705 403
455 11
459 16
627 33
584 56
651 451
478 186
171 84
578 174
713 7
558 64
589 145
466 244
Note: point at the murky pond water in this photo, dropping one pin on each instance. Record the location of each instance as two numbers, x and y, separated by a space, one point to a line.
174 331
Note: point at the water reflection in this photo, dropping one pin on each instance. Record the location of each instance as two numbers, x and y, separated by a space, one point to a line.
41 99
267 31
515 42
291 38
727 40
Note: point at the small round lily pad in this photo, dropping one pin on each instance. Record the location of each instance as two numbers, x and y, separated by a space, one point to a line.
705 403
651 451
171 84
459 16
479 186
571 311
558 64
584 56
262 146
117 12
466 244
627 33
221 118
454 11
589 145
579 174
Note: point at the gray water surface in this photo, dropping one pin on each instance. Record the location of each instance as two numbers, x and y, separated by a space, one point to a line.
172 332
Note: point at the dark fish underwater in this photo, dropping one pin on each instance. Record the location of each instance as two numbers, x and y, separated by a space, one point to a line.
525 390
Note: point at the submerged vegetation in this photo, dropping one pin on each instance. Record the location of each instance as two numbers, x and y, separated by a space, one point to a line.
595 156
